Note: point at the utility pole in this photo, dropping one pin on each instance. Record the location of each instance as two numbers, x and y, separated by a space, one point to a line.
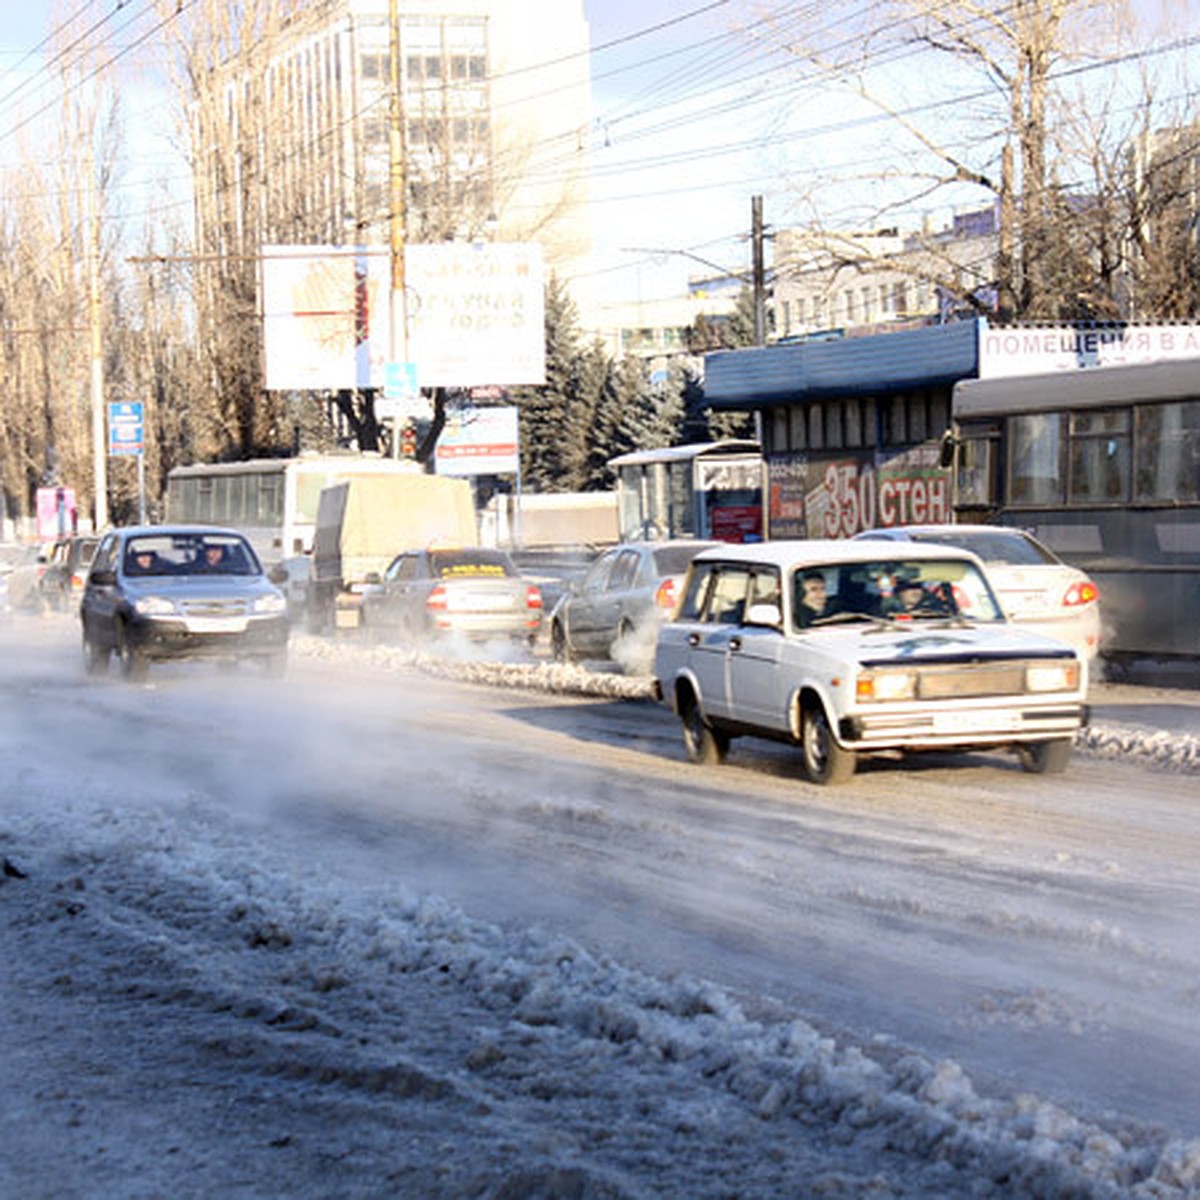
99 446
396 214
759 271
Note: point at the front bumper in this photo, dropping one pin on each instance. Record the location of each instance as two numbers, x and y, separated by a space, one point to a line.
961 725
173 637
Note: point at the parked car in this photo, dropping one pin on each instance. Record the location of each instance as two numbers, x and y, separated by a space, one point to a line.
25 577
10 554
1036 588
613 611
66 570
294 579
473 592
853 648
160 592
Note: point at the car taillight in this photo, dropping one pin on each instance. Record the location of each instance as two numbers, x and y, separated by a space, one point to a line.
665 597
437 599
1081 593
533 597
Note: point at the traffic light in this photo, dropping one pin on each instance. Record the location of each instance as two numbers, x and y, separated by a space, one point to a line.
408 441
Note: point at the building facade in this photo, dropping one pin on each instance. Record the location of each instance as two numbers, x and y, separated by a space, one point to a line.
293 134
855 282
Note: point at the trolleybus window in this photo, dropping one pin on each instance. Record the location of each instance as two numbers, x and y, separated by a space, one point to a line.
1168 451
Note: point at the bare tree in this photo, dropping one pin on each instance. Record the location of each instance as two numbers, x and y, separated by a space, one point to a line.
1015 140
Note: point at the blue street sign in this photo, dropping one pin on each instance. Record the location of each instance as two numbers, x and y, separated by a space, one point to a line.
125 428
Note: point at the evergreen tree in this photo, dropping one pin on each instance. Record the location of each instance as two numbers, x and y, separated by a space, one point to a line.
548 412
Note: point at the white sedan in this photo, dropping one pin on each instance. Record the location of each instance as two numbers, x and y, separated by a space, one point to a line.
848 649
1037 590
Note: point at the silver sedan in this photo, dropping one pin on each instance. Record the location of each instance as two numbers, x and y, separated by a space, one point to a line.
474 593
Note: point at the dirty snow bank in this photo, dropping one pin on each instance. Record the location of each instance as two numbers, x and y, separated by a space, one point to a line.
540 1070
1157 748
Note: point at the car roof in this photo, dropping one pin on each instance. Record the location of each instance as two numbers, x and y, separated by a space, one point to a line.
945 528
789 553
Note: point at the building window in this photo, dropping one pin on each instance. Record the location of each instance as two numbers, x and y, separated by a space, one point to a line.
852 417
834 436
798 428
816 429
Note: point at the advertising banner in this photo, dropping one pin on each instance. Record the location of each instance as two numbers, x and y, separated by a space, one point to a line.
475 315
479 441
1039 349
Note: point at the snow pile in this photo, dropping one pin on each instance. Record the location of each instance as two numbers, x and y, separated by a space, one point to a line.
610 1082
1157 748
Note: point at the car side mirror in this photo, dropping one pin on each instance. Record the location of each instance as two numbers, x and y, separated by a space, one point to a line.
763 614
103 578
373 578
946 450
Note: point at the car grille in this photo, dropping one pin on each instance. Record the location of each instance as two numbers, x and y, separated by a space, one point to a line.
214 608
979 679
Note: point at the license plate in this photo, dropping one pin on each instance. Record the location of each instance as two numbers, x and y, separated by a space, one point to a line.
216 624
1025 604
972 721
488 602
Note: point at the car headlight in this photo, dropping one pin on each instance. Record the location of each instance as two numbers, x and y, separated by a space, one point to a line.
1052 677
270 605
886 685
154 606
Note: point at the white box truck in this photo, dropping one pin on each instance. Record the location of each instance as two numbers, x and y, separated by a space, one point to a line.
364 523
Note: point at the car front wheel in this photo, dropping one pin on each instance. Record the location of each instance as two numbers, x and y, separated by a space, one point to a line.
134 664
704 744
1046 758
559 650
95 656
824 760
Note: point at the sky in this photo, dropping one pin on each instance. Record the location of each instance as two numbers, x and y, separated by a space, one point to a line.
224 974
698 106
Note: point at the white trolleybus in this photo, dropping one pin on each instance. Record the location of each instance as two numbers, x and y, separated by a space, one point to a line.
273 501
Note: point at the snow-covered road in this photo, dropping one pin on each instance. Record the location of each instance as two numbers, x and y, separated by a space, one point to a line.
369 932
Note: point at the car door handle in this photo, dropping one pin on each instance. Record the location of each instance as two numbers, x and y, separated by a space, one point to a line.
693 639
735 642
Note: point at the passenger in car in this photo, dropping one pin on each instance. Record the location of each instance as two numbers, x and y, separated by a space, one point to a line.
141 562
912 596
814 599
214 558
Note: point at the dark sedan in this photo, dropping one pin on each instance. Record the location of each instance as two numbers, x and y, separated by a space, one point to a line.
475 593
169 592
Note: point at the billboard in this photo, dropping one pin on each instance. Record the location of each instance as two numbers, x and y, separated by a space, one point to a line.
1040 349
479 441
475 315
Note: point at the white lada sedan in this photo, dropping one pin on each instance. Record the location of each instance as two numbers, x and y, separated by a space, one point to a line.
851 648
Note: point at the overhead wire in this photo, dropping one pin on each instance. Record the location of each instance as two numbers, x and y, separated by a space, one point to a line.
668 86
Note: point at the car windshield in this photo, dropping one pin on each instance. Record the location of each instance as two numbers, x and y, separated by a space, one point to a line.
897 589
1006 547
189 554
473 564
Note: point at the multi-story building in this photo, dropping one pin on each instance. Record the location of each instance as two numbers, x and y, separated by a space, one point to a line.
826 282
294 132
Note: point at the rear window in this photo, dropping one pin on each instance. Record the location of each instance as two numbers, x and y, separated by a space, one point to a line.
1008 547
470 564
674 560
